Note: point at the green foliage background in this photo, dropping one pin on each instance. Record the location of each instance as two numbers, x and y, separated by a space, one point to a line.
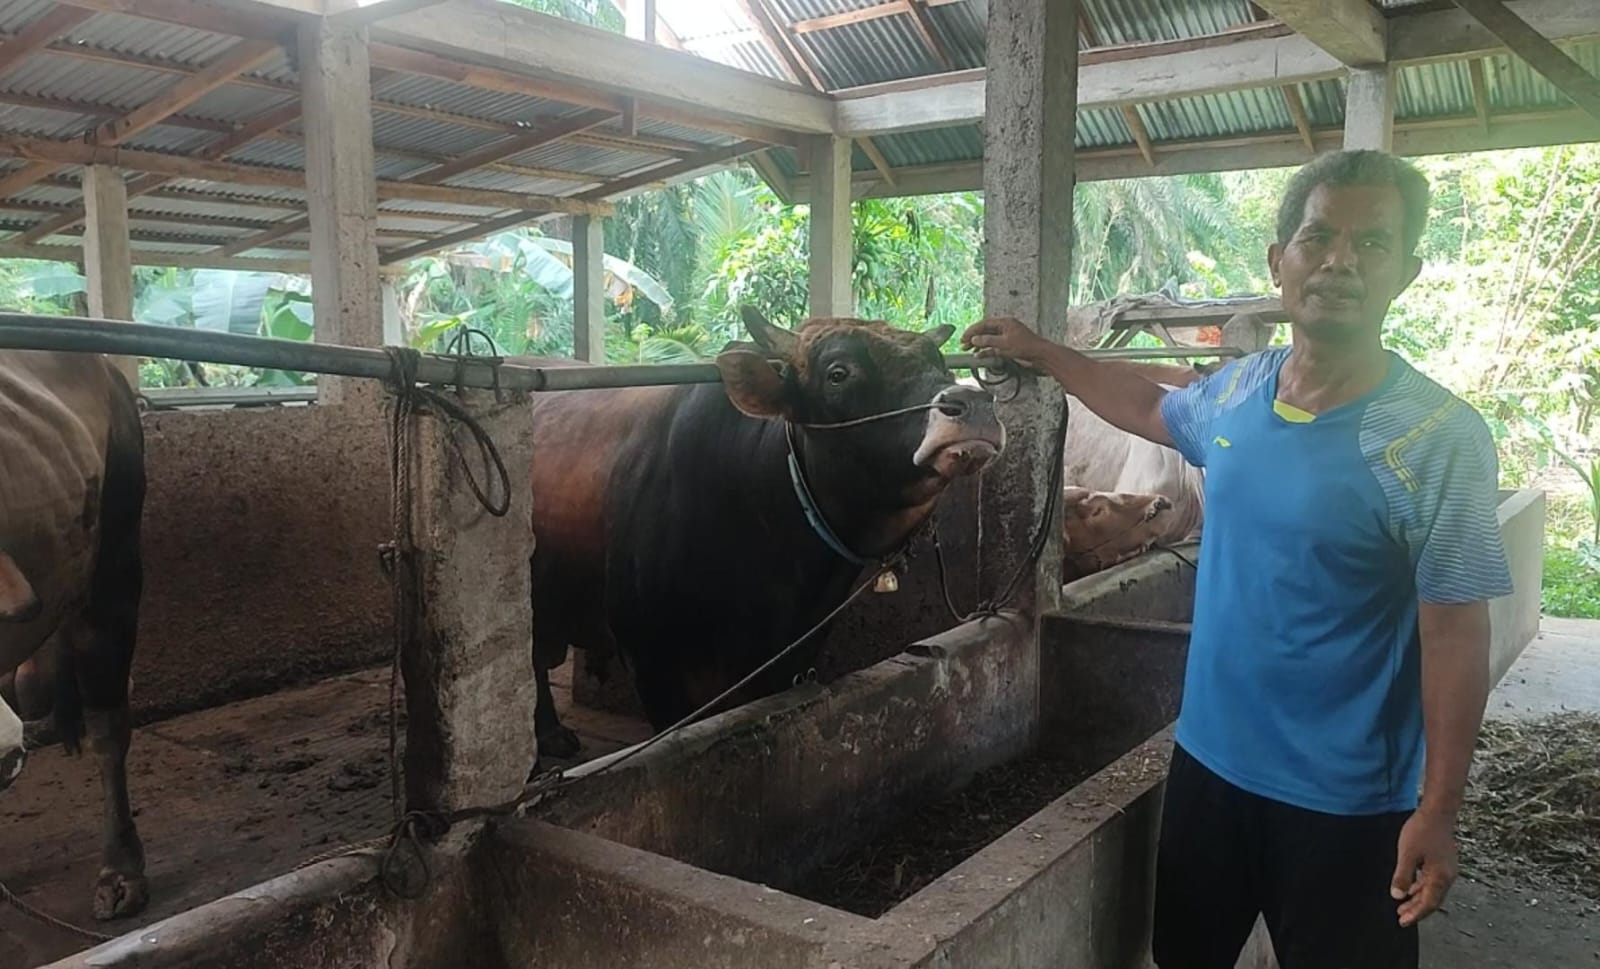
1506 312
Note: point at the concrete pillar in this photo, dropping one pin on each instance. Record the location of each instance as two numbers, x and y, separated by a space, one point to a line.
588 289
1027 184
107 253
394 327
1369 109
832 246
468 670
641 19
342 196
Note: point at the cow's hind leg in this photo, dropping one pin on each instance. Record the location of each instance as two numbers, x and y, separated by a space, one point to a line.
96 663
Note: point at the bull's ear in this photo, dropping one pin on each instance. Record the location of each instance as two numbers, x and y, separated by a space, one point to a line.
17 600
753 384
769 334
940 335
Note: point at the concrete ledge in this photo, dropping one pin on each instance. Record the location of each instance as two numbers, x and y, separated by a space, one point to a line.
1514 619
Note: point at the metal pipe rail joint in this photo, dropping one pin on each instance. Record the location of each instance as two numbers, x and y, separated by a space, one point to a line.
24 331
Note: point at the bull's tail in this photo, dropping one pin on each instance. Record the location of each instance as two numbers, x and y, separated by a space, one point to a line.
68 711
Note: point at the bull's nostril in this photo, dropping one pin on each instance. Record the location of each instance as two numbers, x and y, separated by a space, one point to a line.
953 408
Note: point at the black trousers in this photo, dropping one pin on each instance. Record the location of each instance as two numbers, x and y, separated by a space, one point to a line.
1319 881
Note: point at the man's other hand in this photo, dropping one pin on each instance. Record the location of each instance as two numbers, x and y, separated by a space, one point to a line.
1010 339
1426 865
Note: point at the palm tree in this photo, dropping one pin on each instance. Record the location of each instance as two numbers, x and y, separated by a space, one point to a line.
1132 235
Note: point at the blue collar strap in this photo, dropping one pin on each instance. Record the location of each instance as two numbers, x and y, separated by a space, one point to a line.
808 504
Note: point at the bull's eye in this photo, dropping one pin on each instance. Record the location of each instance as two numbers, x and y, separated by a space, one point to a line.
838 374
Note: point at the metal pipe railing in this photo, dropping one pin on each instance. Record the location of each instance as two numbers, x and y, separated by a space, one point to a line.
23 331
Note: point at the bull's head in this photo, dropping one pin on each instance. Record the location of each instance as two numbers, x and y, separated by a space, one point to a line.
836 370
1104 529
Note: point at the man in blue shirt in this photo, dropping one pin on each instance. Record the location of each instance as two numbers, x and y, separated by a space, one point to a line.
1341 622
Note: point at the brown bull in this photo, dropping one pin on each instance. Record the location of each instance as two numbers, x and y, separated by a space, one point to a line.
71 498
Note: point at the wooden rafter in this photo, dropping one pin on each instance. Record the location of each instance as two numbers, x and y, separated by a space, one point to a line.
533 138
184 166
922 20
242 57
1130 114
663 173
777 39
40 34
1354 31
476 231
893 8
1480 92
1565 74
516 144
870 149
1297 111
1141 134
408 61
144 184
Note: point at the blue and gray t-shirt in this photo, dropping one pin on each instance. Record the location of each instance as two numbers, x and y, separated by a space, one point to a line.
1322 534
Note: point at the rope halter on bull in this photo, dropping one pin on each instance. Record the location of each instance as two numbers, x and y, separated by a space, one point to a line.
884 579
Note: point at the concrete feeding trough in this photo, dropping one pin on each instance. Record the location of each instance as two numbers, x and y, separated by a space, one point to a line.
722 845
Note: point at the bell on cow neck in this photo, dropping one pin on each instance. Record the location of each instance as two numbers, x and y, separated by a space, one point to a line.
887 582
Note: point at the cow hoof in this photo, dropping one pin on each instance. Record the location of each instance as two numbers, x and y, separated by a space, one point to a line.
559 743
118 895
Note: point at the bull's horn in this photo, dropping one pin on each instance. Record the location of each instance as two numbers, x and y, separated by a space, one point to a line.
771 336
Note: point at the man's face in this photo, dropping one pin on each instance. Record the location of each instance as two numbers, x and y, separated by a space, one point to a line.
1346 263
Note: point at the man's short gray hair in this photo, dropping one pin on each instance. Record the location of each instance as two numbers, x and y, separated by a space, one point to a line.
1360 167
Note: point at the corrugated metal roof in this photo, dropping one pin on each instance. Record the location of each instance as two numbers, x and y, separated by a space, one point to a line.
1140 21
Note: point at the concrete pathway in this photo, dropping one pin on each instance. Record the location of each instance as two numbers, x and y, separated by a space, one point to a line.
1527 926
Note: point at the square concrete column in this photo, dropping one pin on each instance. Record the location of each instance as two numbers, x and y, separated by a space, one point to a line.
107 253
1369 109
589 289
1029 124
832 246
469 667
341 196
394 328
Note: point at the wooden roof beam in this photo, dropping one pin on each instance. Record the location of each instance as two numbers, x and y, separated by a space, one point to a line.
870 149
477 231
1206 66
1354 31
544 134
1565 74
1419 137
145 257
241 57
1480 92
40 34
665 173
184 166
1297 112
775 38
504 37
922 20
893 8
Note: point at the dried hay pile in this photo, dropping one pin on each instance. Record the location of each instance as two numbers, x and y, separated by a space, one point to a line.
1533 804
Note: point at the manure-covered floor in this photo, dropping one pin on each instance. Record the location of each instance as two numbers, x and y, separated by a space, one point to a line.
225 798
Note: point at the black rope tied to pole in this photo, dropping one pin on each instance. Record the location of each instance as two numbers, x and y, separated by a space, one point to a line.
399 558
986 608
